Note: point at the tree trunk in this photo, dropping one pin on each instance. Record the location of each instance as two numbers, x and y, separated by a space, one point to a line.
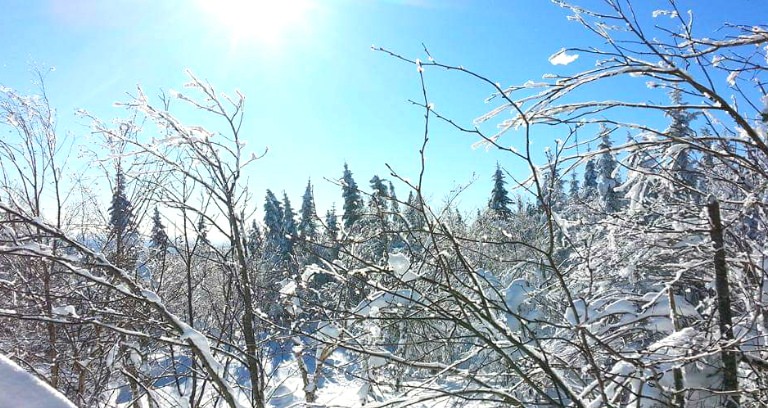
679 396
249 317
729 353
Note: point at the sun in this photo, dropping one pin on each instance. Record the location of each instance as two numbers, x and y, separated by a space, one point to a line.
267 22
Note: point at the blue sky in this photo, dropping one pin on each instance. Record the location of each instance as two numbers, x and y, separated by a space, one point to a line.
317 95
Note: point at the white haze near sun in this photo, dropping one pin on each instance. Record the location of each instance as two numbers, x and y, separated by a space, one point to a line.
257 22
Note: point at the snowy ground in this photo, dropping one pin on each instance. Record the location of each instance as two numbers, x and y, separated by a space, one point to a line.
19 388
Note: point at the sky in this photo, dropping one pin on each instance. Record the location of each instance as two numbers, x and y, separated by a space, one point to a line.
316 94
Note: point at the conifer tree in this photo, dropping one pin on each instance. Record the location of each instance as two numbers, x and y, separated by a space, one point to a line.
332 225
202 231
680 128
606 167
289 225
273 216
331 243
499 202
413 213
308 224
379 194
394 204
375 223
353 203
396 221
574 190
589 186
552 185
255 239
274 233
122 225
123 235
159 238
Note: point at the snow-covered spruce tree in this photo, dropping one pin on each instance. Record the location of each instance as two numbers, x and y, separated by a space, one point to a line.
331 235
290 231
552 182
374 227
202 230
499 201
308 229
396 221
353 201
574 189
123 240
159 236
255 241
589 184
122 249
275 241
682 166
607 177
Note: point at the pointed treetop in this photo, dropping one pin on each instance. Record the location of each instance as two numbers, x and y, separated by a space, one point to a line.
308 224
353 202
273 214
289 218
159 238
500 201
202 230
121 217
606 167
379 194
331 224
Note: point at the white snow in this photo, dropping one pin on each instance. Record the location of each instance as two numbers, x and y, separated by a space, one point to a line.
386 300
376 361
288 287
516 293
400 265
562 57
581 309
328 332
22 389
68 310
670 13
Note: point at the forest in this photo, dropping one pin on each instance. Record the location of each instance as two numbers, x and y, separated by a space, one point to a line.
627 269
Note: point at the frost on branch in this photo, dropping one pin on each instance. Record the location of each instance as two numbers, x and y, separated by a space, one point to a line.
562 57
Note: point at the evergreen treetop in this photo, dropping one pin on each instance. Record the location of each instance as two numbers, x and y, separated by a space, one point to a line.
289 219
500 201
589 186
121 217
159 238
680 129
308 224
332 226
123 232
353 202
606 171
379 194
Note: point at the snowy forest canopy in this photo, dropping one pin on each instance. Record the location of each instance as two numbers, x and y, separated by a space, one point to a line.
629 269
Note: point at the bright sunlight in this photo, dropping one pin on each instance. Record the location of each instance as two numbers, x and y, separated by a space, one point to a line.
266 22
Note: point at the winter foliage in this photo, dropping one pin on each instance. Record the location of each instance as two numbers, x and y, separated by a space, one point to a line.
642 284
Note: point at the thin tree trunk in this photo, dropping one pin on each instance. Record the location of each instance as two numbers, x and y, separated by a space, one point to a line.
249 317
679 397
729 354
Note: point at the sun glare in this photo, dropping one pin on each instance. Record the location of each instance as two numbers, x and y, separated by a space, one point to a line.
267 22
